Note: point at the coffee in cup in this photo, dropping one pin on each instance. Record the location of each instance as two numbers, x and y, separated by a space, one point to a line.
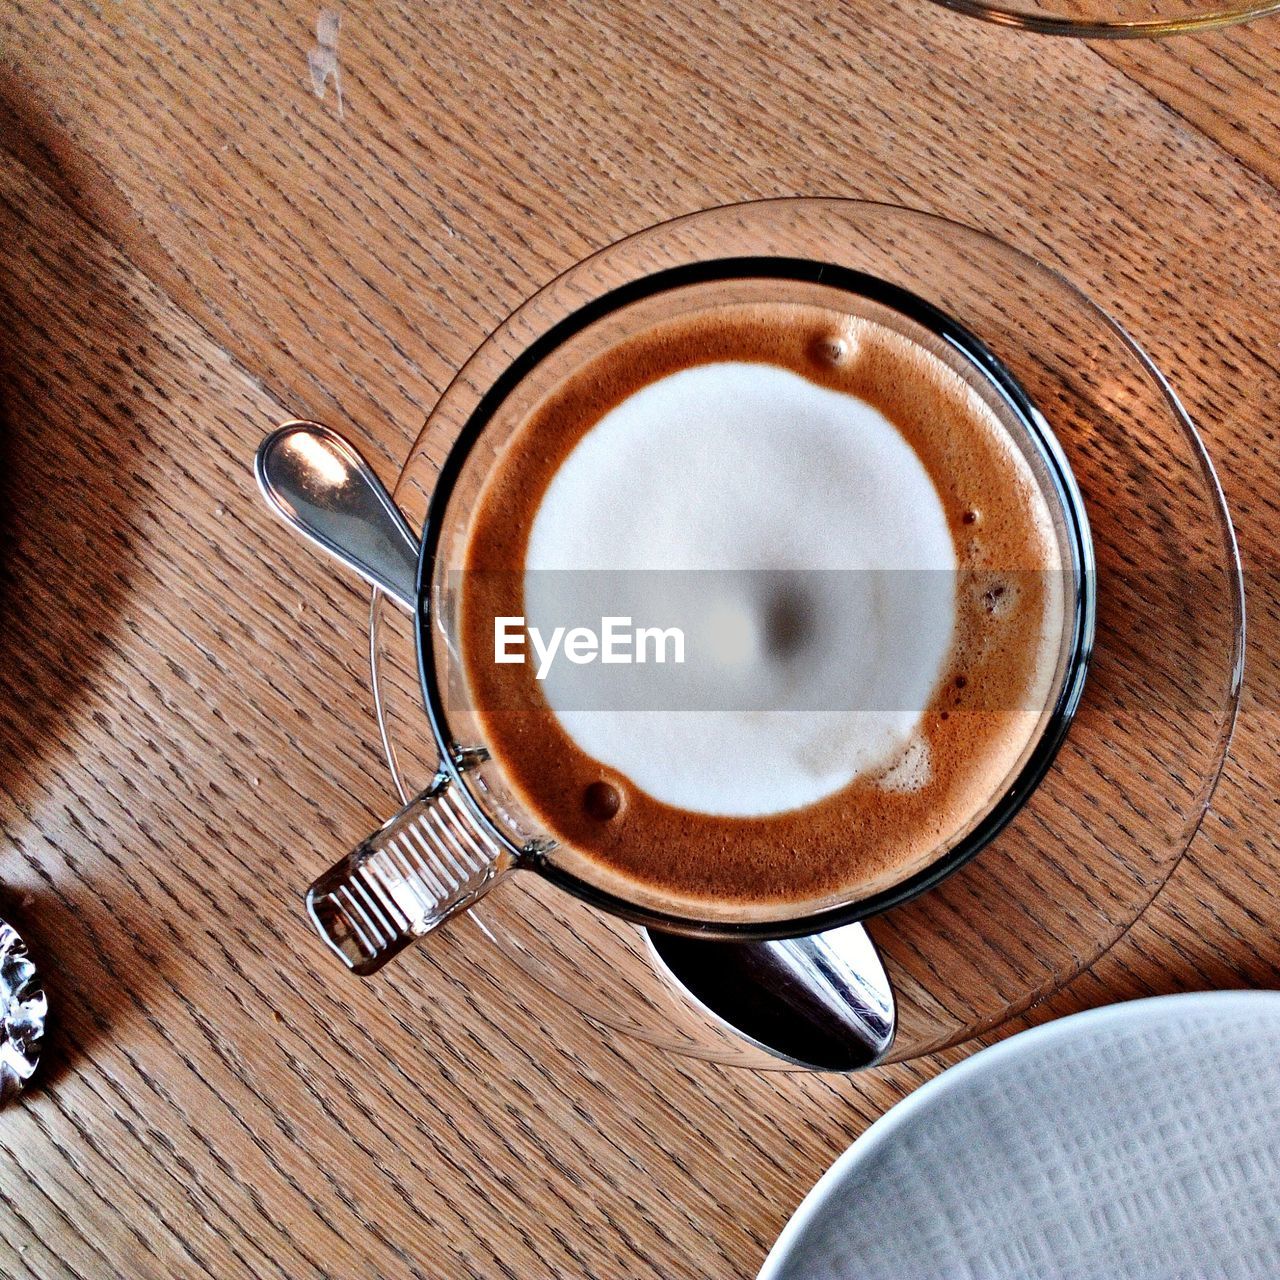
848 525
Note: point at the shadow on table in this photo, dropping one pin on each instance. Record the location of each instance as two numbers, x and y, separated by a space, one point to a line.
72 473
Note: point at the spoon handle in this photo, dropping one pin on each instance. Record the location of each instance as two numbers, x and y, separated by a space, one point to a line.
315 481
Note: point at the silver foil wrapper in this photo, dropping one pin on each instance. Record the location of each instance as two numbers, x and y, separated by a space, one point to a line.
23 1008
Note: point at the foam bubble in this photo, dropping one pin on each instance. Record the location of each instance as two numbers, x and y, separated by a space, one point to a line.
912 771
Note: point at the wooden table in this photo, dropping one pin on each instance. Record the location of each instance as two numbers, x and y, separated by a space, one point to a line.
195 245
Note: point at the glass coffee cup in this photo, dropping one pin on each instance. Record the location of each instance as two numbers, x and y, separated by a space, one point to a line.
469 828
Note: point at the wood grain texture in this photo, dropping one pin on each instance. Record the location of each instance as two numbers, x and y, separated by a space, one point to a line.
196 245
1222 83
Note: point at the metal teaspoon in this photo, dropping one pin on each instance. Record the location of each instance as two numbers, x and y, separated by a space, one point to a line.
822 1001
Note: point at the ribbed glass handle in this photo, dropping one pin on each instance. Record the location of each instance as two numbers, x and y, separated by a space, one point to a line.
432 860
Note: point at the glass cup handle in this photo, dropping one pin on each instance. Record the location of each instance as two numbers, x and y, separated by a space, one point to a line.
421 868
433 859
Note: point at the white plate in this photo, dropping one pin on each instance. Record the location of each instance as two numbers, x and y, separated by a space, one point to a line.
1136 1142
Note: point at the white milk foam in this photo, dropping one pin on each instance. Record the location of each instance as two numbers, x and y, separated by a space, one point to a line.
744 466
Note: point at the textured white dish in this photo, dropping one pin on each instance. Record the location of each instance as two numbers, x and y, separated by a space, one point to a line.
1136 1142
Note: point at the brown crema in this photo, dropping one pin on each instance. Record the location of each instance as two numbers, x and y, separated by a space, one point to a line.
988 704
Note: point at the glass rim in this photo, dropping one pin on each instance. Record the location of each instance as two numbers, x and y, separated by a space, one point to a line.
1057 715
1102 28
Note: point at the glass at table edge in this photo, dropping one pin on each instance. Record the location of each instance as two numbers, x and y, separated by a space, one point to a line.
1102 29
